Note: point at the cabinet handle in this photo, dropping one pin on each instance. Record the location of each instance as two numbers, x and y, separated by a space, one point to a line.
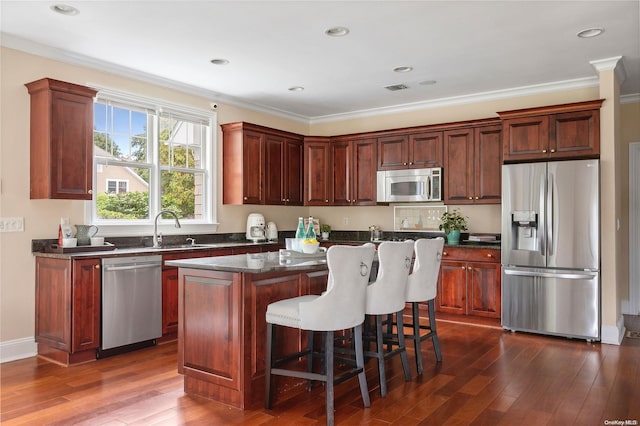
471 198
245 198
477 198
410 163
90 191
463 267
553 150
444 253
489 255
404 164
544 151
326 201
469 268
97 266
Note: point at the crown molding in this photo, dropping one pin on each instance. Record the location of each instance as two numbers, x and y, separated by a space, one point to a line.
17 43
614 63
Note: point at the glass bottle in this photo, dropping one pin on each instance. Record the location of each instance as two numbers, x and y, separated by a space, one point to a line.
311 232
300 232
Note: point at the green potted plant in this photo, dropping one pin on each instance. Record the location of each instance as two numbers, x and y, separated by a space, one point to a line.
452 223
324 230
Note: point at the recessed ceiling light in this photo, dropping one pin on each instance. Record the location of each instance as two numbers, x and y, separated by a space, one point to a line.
337 31
403 69
590 32
296 89
64 9
220 61
427 82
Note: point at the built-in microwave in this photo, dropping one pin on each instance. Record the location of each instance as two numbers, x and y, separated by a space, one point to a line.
410 185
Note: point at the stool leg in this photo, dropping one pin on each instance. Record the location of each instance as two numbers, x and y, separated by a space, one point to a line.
310 358
267 371
328 356
432 324
380 356
402 346
416 335
362 378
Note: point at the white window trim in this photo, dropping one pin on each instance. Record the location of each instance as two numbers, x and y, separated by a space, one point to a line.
207 225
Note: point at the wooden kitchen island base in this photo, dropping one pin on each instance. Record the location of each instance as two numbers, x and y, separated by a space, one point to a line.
222 327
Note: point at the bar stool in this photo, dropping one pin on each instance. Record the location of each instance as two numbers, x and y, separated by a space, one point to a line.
340 307
385 297
422 286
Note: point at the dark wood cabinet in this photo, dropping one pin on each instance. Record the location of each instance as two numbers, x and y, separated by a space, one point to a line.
317 175
469 282
353 172
61 127
413 151
260 165
67 326
283 166
554 132
472 165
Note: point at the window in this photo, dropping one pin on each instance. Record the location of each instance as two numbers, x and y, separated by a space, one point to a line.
116 186
151 156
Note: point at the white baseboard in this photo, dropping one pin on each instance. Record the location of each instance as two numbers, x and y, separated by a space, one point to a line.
613 335
18 349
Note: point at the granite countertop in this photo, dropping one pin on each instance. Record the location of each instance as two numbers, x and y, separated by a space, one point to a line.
255 263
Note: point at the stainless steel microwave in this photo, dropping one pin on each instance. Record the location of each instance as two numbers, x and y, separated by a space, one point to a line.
410 185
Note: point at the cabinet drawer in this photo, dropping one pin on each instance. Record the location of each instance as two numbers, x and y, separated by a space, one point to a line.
471 254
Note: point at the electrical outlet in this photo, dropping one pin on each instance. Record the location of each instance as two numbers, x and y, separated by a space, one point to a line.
345 220
12 224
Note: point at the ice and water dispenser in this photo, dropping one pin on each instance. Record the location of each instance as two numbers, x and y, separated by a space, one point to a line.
524 226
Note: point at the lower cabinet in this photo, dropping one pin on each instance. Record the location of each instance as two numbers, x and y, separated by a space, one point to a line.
469 282
67 323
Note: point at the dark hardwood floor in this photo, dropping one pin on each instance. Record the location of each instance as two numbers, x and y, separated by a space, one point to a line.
487 377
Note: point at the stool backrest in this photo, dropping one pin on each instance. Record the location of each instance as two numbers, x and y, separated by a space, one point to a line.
422 284
386 294
342 306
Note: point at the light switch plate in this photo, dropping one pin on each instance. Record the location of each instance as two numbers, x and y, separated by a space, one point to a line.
12 224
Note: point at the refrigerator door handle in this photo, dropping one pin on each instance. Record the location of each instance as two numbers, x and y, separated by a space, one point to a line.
550 217
543 222
565 275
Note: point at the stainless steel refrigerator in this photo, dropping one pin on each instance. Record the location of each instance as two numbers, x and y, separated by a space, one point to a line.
551 248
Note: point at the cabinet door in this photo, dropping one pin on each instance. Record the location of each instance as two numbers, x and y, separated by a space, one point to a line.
86 305
459 166
363 173
317 189
274 181
341 173
575 134
393 153
253 168
53 303
488 165
452 288
484 289
526 138
169 301
425 150
293 172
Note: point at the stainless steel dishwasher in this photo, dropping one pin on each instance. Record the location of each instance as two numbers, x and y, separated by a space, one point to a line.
131 301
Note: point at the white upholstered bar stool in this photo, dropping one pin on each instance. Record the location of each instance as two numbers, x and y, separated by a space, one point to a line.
422 287
340 307
385 296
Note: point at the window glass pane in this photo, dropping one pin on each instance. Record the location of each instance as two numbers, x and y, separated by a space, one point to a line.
125 194
183 193
120 133
181 142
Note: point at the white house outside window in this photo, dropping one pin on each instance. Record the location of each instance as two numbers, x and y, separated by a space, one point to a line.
151 156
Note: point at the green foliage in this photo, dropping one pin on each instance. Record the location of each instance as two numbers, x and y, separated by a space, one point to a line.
125 205
325 228
105 142
452 221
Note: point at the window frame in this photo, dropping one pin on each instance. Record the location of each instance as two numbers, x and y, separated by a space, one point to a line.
155 109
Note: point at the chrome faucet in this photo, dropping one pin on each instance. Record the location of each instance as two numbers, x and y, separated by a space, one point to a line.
157 238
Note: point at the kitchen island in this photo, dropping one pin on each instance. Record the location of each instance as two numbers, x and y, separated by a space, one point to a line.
221 320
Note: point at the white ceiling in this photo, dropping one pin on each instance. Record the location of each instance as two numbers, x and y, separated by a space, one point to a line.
468 47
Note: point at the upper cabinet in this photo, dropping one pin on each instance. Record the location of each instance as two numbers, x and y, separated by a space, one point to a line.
353 172
472 165
61 139
410 151
552 133
317 175
261 165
